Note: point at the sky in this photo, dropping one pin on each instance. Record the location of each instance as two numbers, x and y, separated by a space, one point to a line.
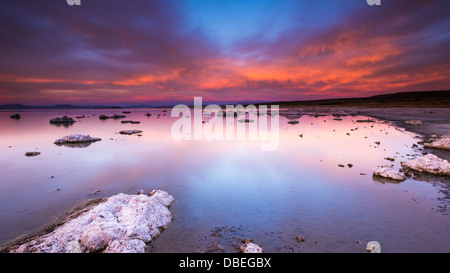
169 51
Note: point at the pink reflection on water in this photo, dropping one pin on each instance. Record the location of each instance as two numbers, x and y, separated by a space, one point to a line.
296 188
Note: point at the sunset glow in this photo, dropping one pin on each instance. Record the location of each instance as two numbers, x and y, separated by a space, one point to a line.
150 52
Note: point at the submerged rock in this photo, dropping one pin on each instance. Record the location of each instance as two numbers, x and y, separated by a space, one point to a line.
442 143
64 119
388 172
15 116
250 247
130 132
121 224
75 139
429 163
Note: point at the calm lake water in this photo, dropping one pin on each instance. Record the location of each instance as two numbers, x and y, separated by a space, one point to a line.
226 191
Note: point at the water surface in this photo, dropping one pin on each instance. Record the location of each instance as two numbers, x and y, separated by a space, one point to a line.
226 191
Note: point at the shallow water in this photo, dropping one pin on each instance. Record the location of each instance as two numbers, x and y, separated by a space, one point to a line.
226 191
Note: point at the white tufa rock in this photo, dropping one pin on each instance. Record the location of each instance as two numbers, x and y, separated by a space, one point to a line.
251 248
77 138
373 247
428 164
121 224
389 172
442 143
413 122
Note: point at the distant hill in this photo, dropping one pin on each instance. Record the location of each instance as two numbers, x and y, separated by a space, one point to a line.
401 99
64 106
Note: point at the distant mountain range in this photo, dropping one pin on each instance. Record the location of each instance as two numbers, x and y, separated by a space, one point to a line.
69 106
413 99
401 99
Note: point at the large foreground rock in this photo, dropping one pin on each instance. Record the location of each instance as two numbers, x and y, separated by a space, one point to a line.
442 143
122 223
388 172
428 164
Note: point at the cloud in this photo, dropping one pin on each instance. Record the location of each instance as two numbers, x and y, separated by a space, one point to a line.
116 51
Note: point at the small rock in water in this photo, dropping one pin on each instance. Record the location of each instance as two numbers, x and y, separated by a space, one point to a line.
293 122
115 116
365 120
64 119
15 116
442 143
76 138
32 153
130 132
130 121
299 239
373 247
388 172
429 163
341 165
250 247
413 122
